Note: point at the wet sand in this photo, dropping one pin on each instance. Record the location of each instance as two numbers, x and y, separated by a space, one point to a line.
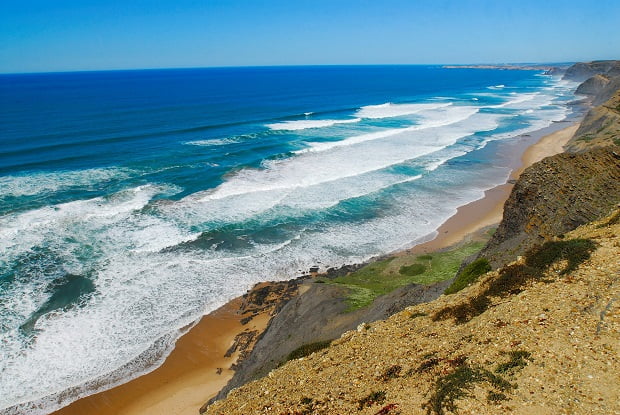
189 376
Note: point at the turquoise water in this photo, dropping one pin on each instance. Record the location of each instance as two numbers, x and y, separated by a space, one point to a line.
133 202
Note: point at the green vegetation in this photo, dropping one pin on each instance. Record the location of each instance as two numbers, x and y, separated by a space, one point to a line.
373 398
512 278
518 360
459 384
412 270
468 275
382 277
307 349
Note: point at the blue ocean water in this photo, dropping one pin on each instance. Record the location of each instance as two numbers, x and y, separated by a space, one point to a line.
133 202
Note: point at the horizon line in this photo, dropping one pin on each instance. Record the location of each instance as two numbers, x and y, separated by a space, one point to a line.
43 72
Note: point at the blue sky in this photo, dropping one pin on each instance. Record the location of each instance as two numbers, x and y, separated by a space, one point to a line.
59 35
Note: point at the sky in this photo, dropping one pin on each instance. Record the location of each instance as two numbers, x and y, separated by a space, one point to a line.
69 35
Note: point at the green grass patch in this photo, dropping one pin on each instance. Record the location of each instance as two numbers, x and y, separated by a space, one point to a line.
412 270
382 277
468 275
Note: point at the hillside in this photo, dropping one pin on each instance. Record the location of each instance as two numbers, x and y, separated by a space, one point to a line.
539 336
601 125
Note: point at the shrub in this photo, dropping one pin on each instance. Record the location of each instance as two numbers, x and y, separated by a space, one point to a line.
512 278
468 275
518 360
459 384
307 349
495 397
412 270
391 373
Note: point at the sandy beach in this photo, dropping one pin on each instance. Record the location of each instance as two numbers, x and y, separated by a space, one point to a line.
197 368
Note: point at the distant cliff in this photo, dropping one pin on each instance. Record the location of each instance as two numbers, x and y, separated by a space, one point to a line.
583 70
601 125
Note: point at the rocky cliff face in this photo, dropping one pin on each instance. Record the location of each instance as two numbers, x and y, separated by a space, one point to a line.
555 196
593 86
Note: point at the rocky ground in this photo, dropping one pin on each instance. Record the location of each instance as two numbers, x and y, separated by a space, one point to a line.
546 343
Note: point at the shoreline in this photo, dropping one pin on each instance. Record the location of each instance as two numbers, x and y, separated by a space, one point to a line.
191 374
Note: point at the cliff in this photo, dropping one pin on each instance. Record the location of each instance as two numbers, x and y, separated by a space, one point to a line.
319 314
601 125
555 196
539 336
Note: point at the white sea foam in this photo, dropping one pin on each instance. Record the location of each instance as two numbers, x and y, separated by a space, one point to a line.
48 182
213 142
520 99
305 124
437 117
389 109
357 157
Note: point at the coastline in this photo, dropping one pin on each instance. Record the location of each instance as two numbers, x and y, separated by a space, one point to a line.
189 376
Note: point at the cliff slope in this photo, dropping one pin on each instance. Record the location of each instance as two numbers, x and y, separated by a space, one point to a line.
601 125
553 197
540 336
322 309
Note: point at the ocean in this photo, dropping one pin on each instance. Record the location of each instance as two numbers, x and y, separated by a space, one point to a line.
134 202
